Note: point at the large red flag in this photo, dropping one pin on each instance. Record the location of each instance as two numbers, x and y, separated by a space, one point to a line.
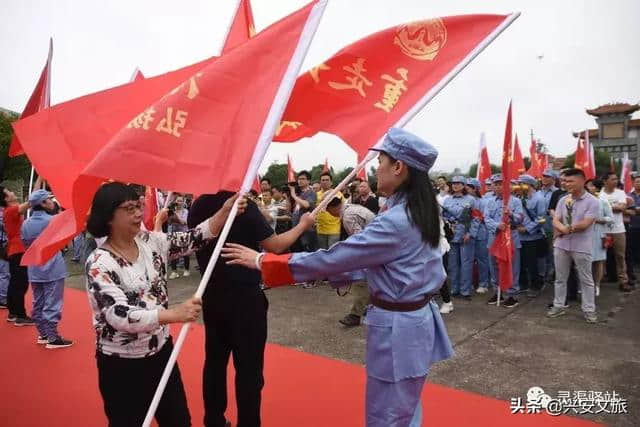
242 27
535 169
484 166
502 247
378 81
172 142
291 174
76 130
39 100
517 161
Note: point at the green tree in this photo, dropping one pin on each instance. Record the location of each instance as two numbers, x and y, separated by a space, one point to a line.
277 174
11 168
473 169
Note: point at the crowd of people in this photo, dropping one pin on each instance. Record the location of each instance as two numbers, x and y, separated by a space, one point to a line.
566 231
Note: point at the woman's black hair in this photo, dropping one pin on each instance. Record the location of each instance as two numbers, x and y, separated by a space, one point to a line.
105 202
422 205
3 197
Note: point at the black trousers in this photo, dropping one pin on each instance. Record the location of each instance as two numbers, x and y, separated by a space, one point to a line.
18 285
127 387
235 319
529 254
445 292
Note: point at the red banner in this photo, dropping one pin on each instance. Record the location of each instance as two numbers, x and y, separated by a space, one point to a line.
368 86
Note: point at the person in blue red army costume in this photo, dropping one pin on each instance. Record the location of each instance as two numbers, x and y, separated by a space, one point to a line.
402 261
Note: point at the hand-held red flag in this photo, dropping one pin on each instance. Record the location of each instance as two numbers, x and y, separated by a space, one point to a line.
39 100
502 247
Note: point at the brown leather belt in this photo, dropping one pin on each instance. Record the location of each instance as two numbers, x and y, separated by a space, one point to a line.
400 306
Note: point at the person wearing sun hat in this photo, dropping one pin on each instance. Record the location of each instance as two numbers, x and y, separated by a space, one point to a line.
534 249
47 280
481 252
399 251
493 217
457 210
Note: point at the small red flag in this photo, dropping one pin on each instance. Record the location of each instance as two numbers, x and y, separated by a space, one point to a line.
625 174
39 100
535 169
242 27
517 166
150 207
484 166
291 174
372 84
583 154
256 185
502 247
325 168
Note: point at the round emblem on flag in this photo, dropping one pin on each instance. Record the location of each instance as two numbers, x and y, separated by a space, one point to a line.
421 40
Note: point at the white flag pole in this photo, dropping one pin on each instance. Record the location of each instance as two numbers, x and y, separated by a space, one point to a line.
30 190
424 101
266 135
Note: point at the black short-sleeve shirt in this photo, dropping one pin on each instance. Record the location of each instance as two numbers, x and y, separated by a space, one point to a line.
248 229
555 198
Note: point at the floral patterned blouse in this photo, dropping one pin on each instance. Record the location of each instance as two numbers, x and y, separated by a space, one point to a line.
126 297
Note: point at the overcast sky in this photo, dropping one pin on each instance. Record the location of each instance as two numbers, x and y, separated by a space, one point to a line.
556 60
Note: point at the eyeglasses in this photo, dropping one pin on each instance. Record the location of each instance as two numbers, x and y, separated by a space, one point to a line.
131 208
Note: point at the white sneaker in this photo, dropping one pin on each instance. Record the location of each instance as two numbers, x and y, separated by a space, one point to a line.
446 308
186 273
481 290
174 275
597 290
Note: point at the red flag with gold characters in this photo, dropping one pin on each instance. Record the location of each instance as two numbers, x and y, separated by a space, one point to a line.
242 27
517 165
372 84
172 142
502 247
77 130
484 166
291 174
150 207
39 100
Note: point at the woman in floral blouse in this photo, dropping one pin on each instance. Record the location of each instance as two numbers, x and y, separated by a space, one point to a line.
127 287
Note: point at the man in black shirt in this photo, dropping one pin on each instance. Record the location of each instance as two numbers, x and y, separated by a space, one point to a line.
235 310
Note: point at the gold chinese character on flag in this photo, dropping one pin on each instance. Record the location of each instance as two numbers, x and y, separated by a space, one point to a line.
393 90
143 119
171 124
356 78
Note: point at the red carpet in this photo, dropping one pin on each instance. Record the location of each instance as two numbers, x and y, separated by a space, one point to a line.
51 388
